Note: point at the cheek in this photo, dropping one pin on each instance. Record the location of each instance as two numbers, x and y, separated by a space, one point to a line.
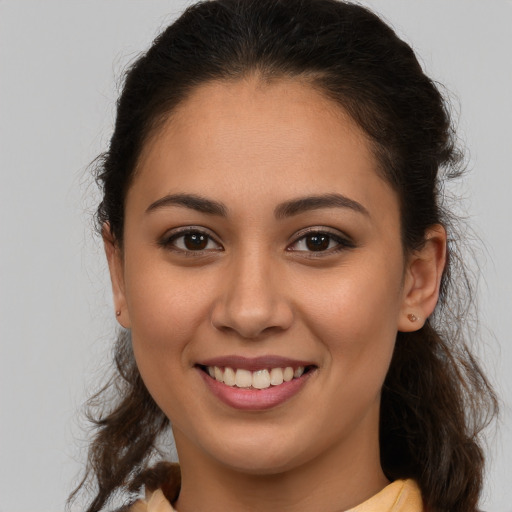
355 314
166 306
166 311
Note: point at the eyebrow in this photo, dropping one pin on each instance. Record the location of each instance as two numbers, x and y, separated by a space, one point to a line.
305 204
283 210
192 201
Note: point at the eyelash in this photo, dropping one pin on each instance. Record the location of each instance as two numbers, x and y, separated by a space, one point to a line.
342 243
169 241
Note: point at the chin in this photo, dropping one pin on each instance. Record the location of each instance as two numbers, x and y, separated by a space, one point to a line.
264 464
259 456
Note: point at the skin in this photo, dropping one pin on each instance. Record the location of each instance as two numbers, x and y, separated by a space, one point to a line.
256 289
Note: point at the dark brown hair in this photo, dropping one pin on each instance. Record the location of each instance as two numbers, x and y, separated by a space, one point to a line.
435 399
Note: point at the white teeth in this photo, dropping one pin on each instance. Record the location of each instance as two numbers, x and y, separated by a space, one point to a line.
219 374
243 378
288 374
276 376
229 377
260 379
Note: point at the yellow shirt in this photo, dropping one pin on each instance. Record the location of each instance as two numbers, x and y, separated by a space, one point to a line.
399 496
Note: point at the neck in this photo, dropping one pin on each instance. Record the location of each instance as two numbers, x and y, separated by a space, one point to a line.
339 479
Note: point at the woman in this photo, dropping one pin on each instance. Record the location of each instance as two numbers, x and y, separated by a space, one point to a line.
282 266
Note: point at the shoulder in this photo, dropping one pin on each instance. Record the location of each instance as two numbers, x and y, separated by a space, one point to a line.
154 502
398 496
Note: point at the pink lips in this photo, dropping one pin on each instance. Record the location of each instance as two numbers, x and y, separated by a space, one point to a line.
254 399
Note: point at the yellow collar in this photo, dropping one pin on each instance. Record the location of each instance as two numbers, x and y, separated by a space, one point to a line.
399 496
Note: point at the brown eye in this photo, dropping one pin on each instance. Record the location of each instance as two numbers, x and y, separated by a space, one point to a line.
318 242
191 241
195 241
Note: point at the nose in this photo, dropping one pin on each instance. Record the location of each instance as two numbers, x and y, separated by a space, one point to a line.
252 301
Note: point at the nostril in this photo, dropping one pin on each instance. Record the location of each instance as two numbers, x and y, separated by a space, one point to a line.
251 309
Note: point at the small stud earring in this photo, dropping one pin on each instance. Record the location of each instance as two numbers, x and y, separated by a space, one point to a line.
412 317
118 313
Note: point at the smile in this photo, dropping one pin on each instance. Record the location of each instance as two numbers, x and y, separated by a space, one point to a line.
255 384
259 379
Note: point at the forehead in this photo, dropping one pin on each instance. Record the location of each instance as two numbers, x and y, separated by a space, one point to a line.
283 137
253 107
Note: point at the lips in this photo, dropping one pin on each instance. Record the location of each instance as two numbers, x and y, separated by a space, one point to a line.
255 383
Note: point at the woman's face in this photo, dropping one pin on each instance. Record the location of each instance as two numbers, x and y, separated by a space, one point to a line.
259 237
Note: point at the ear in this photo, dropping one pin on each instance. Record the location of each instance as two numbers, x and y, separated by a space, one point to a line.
422 280
116 269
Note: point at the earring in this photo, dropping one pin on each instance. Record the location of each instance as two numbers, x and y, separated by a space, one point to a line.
412 317
118 313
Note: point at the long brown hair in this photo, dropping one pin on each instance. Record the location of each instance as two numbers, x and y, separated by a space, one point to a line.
435 399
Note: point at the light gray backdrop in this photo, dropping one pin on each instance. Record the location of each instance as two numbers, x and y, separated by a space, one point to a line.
60 62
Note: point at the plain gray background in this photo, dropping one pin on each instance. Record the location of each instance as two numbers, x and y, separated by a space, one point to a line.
60 65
